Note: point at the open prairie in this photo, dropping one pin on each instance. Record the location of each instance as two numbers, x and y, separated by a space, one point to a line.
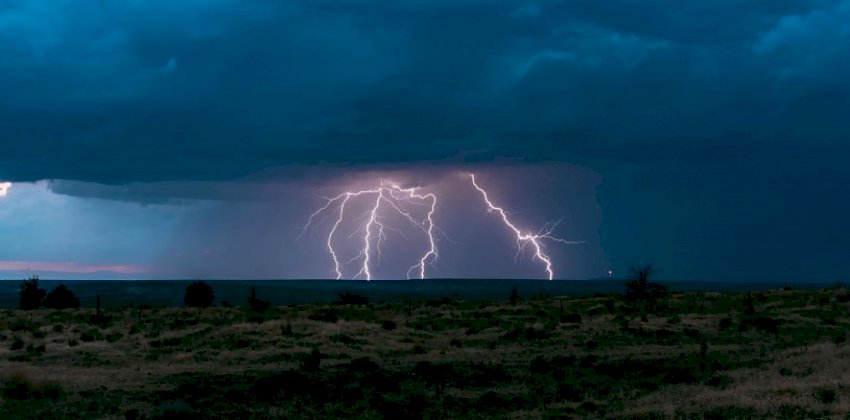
780 353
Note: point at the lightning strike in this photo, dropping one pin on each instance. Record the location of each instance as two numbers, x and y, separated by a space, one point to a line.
396 199
524 239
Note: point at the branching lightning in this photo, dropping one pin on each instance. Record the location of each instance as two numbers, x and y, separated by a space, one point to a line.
394 198
523 239
373 228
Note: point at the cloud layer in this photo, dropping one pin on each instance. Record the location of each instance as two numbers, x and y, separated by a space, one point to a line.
131 91
718 127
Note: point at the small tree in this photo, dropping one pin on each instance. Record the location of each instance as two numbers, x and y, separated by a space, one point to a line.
514 298
640 289
257 305
31 296
199 295
61 298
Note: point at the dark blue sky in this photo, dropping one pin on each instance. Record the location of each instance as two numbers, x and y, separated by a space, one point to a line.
712 134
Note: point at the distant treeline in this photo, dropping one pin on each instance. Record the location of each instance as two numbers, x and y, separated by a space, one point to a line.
170 293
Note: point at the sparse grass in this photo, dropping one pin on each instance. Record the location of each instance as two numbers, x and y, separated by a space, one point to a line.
703 355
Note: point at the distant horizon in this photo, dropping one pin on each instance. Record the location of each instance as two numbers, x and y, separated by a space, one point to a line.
438 279
285 292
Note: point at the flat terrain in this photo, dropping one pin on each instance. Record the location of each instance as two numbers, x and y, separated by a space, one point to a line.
770 354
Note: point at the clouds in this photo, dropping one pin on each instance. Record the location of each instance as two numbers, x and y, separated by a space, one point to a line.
705 117
118 92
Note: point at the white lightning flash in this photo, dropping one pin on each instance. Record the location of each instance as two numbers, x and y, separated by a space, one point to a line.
396 198
523 239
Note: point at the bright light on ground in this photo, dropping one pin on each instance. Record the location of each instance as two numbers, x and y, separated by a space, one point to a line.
4 188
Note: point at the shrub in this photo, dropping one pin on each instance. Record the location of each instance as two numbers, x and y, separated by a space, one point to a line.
571 318
17 344
610 306
388 325
826 395
363 365
61 298
324 315
257 305
514 298
20 387
312 361
198 295
767 324
90 336
31 296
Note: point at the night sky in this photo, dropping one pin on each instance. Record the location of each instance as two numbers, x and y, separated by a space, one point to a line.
192 139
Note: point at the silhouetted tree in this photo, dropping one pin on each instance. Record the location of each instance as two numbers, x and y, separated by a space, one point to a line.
514 298
61 298
198 295
640 290
31 296
257 305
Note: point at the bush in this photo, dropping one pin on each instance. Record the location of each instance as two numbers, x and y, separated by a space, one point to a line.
257 305
61 298
17 344
21 387
198 295
763 323
324 315
31 296
571 318
312 361
388 325
826 395
514 298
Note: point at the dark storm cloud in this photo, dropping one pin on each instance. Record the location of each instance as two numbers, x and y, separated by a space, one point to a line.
718 127
117 92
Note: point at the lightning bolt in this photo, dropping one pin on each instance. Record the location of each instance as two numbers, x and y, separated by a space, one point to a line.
373 228
524 239
394 198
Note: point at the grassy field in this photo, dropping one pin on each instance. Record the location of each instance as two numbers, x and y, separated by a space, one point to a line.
767 354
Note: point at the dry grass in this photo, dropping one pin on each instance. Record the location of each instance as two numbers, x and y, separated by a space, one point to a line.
131 359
